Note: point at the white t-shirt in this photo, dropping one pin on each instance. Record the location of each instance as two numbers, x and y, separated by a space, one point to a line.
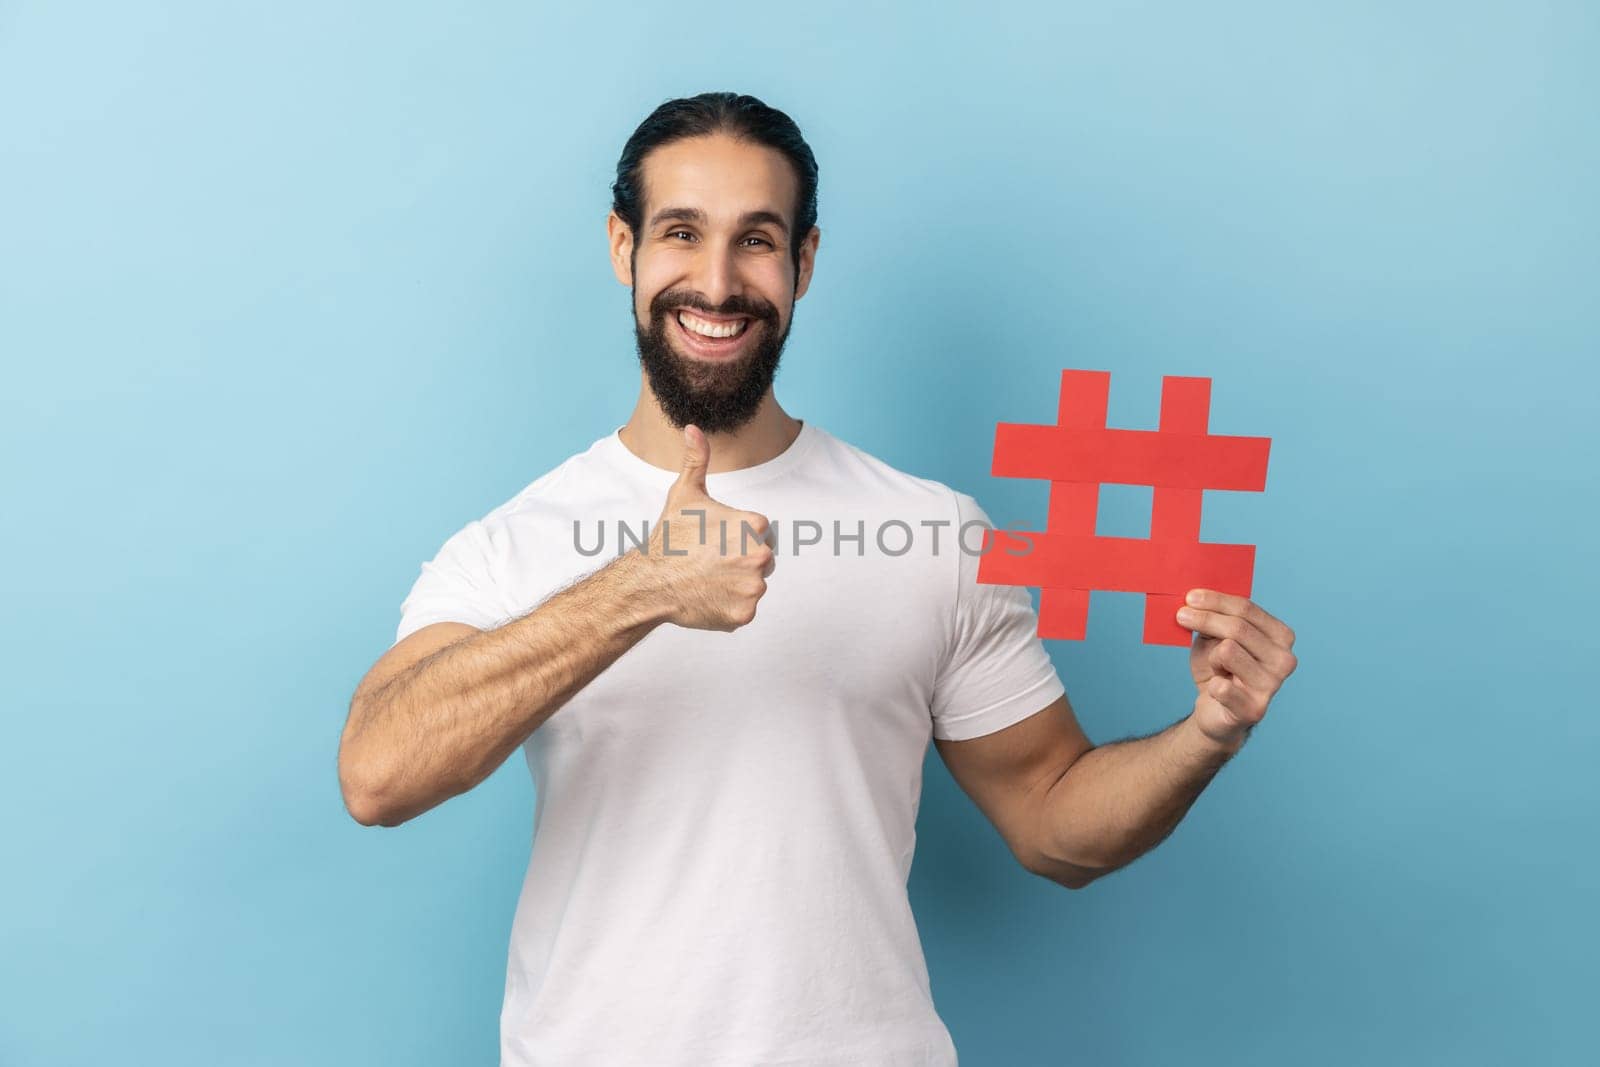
724 822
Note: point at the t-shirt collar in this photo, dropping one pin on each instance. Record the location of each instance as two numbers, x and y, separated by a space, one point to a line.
614 452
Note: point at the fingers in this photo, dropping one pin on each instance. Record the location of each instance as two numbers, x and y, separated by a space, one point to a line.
741 533
1250 644
1228 657
1219 625
696 458
767 552
1247 707
753 526
1249 610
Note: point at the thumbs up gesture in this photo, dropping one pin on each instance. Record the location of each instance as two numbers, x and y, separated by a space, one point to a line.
716 559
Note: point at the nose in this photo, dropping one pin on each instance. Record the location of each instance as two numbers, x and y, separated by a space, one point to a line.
716 273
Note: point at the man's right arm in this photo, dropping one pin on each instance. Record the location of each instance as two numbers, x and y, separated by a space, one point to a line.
444 707
431 721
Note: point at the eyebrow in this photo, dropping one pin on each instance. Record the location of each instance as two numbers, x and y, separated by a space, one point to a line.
695 215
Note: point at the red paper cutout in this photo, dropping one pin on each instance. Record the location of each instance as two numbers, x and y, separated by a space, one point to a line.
1179 461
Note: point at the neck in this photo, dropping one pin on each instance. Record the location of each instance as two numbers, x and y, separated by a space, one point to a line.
653 439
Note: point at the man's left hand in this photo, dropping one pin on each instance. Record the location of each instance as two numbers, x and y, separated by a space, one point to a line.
1240 656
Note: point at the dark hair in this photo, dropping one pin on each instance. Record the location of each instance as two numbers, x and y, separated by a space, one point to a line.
742 117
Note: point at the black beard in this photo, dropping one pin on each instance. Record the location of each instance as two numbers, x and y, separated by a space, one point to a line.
715 396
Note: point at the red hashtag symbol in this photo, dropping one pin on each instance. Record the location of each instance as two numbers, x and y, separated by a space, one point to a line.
1079 454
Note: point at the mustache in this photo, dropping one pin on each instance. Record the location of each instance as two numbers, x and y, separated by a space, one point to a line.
667 303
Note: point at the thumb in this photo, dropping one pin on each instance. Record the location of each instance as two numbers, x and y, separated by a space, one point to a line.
696 458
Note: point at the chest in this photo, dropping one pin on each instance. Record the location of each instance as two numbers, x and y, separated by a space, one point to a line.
842 653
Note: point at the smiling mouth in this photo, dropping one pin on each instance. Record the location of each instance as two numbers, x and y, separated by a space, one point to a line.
711 329
709 336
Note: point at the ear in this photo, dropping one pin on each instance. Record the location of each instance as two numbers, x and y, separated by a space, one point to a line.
620 238
808 260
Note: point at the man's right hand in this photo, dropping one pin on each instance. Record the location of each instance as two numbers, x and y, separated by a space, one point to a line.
716 559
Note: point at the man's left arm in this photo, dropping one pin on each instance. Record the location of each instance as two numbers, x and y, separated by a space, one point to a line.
1072 811
1120 800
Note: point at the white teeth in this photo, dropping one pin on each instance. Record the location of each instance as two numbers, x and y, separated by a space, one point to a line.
700 326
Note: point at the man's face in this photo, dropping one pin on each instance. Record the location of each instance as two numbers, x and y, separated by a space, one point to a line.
713 256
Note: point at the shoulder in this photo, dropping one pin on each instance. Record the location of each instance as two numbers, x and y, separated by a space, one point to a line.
548 498
581 472
921 499
868 473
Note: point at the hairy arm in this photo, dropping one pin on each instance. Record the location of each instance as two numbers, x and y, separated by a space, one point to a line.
443 708
1116 801
426 727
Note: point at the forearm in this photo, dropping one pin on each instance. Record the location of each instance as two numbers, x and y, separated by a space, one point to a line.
445 723
1118 801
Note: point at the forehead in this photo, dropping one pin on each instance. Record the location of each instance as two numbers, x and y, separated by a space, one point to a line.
720 176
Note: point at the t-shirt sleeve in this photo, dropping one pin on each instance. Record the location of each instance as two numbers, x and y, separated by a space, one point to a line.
995 671
456 585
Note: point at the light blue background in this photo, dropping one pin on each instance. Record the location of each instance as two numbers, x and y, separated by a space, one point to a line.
290 291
